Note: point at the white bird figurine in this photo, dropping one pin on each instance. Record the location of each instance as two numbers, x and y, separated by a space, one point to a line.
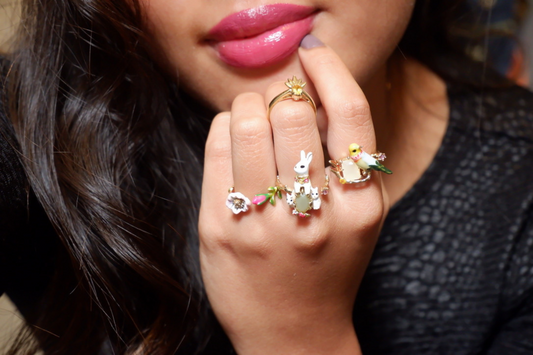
365 161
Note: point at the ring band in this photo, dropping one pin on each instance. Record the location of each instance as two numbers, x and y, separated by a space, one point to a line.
294 92
297 198
324 190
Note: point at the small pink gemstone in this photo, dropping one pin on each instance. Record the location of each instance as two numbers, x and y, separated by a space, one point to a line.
325 192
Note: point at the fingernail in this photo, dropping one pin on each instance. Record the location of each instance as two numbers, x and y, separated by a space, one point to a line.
311 41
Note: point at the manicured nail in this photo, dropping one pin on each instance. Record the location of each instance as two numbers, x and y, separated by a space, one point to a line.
311 41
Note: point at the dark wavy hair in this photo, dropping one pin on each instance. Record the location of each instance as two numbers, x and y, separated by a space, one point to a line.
114 157
113 152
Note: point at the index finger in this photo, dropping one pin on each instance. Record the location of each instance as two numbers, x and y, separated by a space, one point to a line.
347 109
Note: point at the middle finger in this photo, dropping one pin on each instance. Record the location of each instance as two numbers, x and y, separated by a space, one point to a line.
294 129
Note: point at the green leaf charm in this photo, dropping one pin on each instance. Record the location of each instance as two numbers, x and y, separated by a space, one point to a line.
273 191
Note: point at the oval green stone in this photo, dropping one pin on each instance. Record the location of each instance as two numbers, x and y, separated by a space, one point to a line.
302 203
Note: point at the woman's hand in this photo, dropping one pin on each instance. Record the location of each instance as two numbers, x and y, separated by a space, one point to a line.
280 284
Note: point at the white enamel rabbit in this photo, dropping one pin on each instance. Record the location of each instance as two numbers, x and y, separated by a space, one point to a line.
290 199
302 173
316 198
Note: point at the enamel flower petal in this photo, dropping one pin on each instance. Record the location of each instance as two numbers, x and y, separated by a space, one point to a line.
237 202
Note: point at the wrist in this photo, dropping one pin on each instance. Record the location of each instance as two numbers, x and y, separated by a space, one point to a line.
303 339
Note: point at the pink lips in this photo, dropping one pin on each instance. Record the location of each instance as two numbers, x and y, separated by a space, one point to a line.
261 36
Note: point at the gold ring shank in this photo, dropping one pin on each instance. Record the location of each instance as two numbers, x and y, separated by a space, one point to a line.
288 95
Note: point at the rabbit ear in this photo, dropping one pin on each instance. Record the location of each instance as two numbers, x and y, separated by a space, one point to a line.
302 155
309 157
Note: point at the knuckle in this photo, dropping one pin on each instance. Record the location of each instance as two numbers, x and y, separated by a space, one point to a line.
257 245
220 118
247 97
371 215
217 145
214 238
326 60
354 111
276 87
250 129
217 149
223 242
291 116
312 242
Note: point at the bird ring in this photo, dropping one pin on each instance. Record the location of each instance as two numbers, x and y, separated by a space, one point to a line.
295 92
358 165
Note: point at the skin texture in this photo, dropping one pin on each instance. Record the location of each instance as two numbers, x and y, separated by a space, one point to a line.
277 283
299 277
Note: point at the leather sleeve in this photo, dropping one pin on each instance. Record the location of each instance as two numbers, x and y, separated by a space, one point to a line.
515 335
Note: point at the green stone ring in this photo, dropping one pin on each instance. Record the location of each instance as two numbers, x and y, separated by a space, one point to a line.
304 197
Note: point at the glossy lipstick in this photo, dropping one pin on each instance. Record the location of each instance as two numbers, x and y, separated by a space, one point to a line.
261 36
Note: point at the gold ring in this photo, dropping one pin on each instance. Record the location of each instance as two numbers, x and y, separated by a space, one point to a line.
236 201
294 92
358 166
304 197
310 201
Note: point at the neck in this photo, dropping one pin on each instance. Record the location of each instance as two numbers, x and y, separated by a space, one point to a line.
410 113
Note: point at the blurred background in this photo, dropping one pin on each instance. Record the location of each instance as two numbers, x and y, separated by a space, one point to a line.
9 318
8 21
500 31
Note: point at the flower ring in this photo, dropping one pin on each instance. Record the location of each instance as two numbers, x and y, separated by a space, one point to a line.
295 92
237 202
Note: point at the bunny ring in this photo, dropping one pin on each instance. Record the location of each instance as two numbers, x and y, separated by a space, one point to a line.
304 197
295 92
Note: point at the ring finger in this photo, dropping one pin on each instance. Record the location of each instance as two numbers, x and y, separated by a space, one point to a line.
251 145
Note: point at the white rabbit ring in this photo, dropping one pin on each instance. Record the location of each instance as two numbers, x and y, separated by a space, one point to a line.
358 165
294 92
304 197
